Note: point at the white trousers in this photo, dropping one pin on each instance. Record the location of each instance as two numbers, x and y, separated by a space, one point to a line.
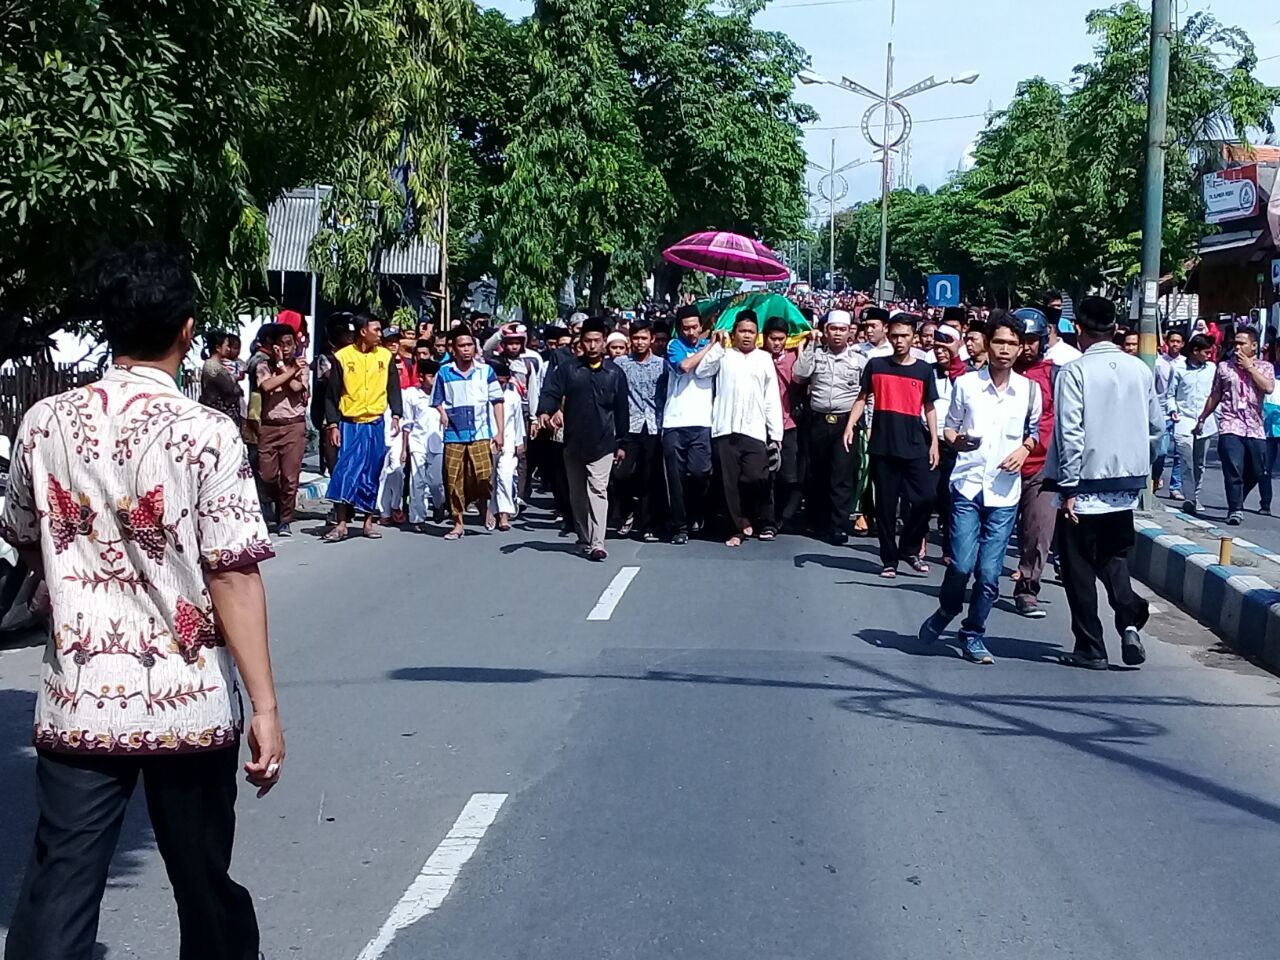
426 484
391 482
505 489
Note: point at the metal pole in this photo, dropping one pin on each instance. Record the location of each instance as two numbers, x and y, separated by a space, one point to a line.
831 228
1153 201
884 167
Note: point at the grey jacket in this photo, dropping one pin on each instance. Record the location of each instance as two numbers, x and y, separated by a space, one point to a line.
1108 420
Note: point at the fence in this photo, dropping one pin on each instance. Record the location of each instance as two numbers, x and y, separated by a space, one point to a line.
24 383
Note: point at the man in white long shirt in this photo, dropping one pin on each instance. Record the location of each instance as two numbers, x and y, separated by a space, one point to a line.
426 448
746 419
1186 393
994 423
504 504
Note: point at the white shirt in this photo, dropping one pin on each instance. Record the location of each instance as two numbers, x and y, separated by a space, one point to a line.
747 400
1003 419
1061 353
942 406
422 421
688 394
871 352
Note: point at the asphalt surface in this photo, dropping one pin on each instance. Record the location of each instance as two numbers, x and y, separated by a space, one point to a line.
1259 528
751 759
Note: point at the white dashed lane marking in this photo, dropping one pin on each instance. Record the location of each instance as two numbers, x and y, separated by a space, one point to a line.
433 884
603 609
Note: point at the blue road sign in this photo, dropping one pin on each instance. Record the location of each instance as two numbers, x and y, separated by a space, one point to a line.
944 290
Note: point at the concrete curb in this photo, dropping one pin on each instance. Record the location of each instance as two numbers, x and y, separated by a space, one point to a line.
1178 558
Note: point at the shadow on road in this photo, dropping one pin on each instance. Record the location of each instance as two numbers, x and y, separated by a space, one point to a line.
539 546
18 809
901 700
1002 648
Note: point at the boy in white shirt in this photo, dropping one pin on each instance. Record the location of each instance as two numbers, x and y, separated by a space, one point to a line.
391 482
426 448
504 503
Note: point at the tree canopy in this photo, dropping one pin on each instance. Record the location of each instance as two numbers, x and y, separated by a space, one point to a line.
181 121
1055 193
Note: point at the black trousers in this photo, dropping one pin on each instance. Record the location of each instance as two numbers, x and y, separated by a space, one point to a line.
910 480
687 453
832 474
1097 548
639 476
787 484
942 501
82 801
744 472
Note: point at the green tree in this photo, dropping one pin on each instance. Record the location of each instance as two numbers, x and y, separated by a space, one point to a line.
1055 193
718 116
578 186
182 121
119 123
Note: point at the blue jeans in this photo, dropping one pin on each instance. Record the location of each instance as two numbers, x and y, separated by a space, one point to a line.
1168 450
979 538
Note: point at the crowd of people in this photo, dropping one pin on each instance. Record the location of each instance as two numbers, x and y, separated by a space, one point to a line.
147 513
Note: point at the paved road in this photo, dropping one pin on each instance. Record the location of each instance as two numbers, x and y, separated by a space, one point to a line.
1256 527
751 758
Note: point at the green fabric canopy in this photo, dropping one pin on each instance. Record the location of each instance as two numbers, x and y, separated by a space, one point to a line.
766 307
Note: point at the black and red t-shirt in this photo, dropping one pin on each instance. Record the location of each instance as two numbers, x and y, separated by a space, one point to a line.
900 394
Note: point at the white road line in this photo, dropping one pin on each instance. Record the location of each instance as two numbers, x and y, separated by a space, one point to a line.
1142 590
433 884
603 609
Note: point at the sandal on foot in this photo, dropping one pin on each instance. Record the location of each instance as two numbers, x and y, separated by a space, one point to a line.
372 534
889 573
918 565
454 535
334 536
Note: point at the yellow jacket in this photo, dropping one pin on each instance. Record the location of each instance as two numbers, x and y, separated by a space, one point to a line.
362 386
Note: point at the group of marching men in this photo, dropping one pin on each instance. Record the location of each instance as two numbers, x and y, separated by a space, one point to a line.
869 426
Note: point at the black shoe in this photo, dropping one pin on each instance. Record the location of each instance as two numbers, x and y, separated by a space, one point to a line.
838 539
1132 652
680 539
1087 663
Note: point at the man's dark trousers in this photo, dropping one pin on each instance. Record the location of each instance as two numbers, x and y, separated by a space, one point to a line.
687 453
640 477
1097 548
896 479
82 800
832 474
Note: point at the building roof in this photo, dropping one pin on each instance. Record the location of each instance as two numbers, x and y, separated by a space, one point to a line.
293 221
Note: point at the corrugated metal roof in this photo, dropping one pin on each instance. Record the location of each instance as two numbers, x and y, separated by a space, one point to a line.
419 258
292 223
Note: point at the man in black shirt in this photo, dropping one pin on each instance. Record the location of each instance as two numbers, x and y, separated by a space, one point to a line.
596 420
903 449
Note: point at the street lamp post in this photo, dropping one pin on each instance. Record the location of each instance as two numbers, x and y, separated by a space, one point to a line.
832 188
893 131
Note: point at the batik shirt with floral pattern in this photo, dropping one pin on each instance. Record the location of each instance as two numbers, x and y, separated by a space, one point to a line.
133 493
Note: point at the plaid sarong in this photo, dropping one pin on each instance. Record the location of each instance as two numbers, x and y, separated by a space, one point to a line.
468 472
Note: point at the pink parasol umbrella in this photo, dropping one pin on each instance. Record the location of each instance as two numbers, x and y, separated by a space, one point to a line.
727 255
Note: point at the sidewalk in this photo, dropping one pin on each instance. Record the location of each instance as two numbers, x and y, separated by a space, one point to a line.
1177 556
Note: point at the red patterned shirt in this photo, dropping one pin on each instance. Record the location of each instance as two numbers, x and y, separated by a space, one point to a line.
132 493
